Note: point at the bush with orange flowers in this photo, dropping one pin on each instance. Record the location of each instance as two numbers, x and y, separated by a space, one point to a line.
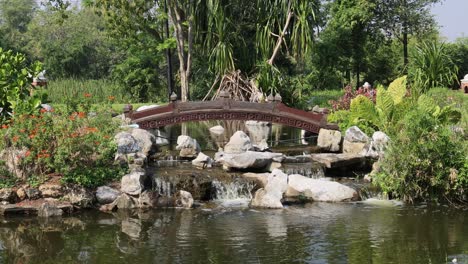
75 142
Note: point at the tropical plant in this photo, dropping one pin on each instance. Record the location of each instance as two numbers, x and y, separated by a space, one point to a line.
431 66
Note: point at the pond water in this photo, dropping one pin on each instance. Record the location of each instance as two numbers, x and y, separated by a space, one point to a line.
313 233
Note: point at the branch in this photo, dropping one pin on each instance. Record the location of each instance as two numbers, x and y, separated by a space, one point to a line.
281 36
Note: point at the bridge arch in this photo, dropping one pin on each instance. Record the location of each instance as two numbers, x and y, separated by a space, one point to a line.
227 109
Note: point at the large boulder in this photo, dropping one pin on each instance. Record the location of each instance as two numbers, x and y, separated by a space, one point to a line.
329 140
271 195
80 197
125 201
238 143
355 141
189 147
126 143
259 131
318 190
133 183
202 161
249 160
260 179
106 194
148 199
145 140
32 193
12 158
49 210
184 199
51 190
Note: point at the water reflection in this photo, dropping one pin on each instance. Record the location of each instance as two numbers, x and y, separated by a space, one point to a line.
314 233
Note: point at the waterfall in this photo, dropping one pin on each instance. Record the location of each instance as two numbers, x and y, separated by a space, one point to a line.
304 170
162 187
169 161
233 193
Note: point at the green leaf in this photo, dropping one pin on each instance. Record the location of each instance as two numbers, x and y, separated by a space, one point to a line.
397 89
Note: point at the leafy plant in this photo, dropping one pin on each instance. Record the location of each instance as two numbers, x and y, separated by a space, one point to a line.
431 66
17 95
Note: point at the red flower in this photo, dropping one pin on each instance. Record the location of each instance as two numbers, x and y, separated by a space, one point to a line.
87 95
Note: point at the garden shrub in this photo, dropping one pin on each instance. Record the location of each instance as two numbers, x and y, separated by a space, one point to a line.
426 160
75 142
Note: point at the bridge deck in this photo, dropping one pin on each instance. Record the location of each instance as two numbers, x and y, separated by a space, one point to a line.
227 109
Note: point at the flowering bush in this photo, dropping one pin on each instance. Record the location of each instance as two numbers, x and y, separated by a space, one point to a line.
344 102
75 143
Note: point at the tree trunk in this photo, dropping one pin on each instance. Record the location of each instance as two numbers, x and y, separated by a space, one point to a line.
405 49
185 57
279 41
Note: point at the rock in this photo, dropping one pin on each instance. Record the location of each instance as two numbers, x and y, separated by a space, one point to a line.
319 190
12 159
51 190
21 193
148 199
274 165
259 132
8 195
354 135
261 179
184 199
49 210
145 140
146 107
106 194
249 159
124 202
357 148
217 130
202 161
189 147
126 143
329 140
161 137
271 195
80 197
378 145
238 143
133 183
33 193
338 160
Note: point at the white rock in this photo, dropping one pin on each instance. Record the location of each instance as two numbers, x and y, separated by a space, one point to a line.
319 190
378 144
271 195
133 183
145 140
217 130
329 140
202 161
189 147
354 135
238 143
184 199
249 159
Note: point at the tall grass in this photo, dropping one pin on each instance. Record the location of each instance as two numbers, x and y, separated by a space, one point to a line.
60 91
323 97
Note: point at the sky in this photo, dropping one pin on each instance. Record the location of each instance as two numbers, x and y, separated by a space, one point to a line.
451 15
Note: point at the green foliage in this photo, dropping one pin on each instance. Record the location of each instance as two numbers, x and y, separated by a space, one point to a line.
71 142
17 95
6 179
426 160
63 90
431 66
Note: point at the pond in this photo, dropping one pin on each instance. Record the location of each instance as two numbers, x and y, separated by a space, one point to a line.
313 233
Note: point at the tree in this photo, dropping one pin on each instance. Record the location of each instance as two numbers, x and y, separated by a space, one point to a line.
15 16
405 18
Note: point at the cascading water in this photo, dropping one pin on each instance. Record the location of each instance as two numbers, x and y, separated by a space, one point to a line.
233 194
169 161
303 169
162 187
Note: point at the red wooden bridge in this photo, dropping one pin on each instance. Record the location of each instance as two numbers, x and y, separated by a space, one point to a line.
227 109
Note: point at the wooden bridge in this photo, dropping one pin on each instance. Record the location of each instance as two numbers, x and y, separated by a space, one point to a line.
227 109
